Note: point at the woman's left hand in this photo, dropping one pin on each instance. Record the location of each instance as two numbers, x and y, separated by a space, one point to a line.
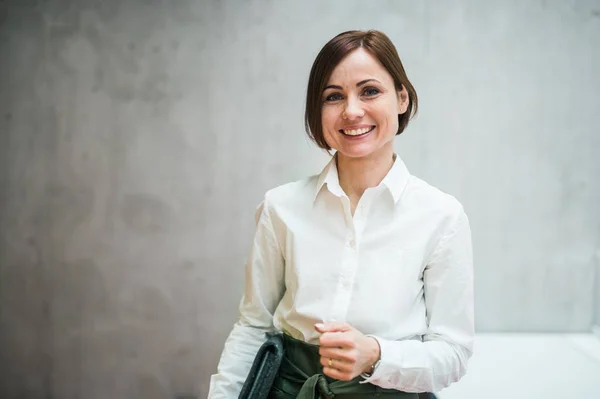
345 351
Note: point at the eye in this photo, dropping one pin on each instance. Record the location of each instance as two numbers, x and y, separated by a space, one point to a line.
371 91
333 97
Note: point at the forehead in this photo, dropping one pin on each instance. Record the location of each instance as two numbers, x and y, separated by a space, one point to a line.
358 66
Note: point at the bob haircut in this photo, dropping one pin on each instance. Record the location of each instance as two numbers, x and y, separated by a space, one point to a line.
380 47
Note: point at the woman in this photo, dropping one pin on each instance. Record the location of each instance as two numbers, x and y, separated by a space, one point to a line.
365 268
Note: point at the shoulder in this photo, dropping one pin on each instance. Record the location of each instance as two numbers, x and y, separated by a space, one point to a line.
289 196
291 192
442 211
431 199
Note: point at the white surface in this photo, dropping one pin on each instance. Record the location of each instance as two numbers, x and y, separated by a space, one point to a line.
544 366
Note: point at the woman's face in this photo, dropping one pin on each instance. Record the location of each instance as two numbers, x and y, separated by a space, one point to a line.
361 106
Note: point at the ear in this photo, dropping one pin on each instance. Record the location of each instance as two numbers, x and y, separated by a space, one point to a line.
403 100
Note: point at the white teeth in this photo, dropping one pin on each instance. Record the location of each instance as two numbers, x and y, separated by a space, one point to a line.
356 132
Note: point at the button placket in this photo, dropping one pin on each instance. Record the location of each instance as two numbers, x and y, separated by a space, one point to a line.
349 262
339 305
351 243
351 256
346 282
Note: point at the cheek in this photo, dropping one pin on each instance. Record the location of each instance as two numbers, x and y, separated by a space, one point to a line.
328 119
392 118
327 125
393 125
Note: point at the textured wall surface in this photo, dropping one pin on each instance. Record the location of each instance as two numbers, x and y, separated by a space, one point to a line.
137 138
597 301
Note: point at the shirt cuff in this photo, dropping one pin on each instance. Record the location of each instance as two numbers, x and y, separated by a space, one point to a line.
373 376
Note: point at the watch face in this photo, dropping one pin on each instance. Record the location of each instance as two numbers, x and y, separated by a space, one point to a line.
375 365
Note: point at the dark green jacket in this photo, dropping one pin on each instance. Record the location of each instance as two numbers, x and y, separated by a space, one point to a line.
301 376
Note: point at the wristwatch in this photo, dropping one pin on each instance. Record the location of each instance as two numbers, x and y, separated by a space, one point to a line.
373 367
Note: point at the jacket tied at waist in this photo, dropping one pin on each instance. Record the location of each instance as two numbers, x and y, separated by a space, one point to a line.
301 376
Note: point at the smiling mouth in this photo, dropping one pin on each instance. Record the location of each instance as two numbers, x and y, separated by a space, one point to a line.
357 132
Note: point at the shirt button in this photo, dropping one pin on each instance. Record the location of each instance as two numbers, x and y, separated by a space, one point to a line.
351 243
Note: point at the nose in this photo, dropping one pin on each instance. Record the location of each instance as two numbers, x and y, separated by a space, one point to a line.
353 109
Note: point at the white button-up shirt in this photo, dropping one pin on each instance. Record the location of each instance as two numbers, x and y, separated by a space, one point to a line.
399 269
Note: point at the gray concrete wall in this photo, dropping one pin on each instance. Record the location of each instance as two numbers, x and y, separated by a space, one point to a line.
597 301
138 137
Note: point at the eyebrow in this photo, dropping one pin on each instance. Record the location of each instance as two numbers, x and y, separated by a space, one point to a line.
361 83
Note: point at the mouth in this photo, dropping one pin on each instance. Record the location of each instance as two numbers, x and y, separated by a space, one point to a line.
357 132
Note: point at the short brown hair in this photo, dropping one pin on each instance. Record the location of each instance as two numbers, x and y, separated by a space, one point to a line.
378 45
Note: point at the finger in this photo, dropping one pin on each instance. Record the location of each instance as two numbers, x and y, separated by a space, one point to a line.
333 363
345 355
337 374
337 340
332 327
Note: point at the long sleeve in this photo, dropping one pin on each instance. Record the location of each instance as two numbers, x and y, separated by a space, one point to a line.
263 292
441 357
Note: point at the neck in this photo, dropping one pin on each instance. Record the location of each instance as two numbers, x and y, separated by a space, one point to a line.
358 174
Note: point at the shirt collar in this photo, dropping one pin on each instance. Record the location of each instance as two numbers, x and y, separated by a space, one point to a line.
395 180
329 175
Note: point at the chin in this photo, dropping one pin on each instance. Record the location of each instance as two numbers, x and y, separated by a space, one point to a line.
372 145
355 153
363 151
